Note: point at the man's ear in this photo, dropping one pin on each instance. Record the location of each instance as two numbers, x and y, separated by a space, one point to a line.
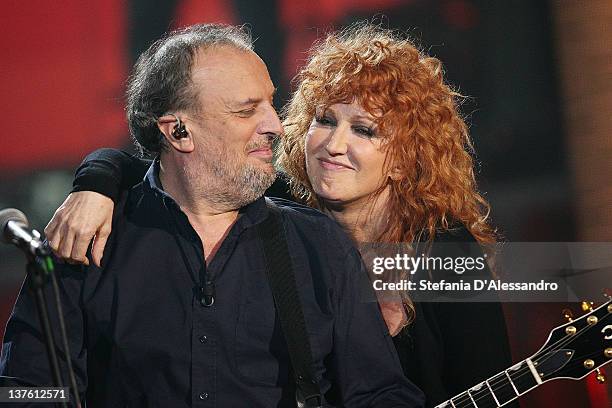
176 133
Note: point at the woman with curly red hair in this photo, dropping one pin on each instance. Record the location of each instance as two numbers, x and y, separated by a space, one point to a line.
374 139
410 117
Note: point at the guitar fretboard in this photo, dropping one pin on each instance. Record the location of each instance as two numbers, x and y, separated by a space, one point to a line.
498 390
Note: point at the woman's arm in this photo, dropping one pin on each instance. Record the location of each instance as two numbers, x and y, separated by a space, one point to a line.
87 212
108 172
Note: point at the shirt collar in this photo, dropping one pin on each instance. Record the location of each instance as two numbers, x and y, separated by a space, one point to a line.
153 184
250 214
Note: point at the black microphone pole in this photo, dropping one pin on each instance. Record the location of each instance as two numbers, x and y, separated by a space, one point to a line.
38 276
39 269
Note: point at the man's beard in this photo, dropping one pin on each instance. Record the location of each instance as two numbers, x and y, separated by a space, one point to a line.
230 181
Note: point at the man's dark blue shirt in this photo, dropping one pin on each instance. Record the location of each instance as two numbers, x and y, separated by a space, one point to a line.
140 336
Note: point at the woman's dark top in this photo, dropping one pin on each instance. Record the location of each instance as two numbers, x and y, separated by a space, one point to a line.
448 348
453 346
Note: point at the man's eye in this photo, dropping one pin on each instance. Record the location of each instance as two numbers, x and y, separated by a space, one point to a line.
325 120
364 131
246 112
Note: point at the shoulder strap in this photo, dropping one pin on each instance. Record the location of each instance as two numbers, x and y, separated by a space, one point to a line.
288 306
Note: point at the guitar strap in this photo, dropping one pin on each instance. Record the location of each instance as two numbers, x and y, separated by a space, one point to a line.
288 306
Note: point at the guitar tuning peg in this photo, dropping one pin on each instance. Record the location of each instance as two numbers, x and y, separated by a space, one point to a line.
587 306
601 378
568 315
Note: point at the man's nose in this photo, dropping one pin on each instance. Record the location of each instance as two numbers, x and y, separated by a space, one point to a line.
337 142
271 124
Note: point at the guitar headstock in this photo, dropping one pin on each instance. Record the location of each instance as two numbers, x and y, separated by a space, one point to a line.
578 347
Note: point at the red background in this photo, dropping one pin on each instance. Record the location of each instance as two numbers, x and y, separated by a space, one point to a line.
63 71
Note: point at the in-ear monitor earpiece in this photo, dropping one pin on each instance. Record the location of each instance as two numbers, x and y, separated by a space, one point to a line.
179 131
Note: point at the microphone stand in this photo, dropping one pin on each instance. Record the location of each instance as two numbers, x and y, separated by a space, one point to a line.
39 269
38 274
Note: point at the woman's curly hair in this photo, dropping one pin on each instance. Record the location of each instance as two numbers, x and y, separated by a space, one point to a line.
428 148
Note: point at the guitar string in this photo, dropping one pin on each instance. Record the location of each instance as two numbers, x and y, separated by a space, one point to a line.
479 399
559 344
570 365
568 339
553 347
526 371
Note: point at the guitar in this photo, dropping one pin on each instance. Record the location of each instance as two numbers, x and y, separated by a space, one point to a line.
572 351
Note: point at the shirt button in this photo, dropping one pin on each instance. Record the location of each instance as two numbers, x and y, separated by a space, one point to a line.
203 339
203 395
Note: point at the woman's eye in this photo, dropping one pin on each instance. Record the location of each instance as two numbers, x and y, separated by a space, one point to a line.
364 131
325 120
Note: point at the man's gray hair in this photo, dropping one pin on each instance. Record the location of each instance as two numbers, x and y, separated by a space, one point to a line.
161 80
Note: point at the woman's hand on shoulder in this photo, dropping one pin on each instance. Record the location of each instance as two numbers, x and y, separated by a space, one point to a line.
83 216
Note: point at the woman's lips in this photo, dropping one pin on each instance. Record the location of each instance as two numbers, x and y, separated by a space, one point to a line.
331 165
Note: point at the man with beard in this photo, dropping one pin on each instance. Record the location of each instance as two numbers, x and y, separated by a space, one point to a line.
180 312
